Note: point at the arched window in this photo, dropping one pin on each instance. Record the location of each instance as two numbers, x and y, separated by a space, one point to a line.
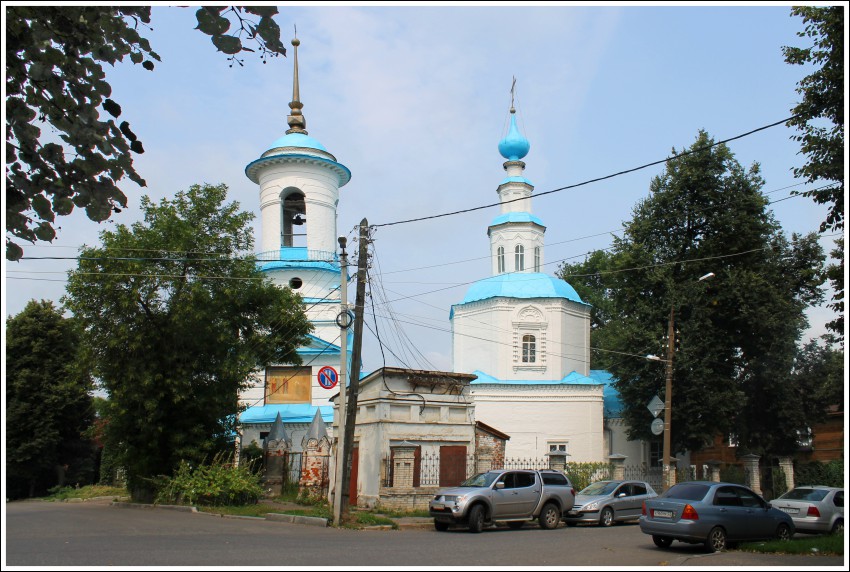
529 349
294 213
519 258
500 259
537 259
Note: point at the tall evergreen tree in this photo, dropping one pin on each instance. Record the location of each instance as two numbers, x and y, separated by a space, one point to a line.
736 334
176 318
48 403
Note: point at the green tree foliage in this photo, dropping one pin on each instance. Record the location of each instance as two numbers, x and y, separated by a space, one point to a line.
819 370
175 320
55 77
48 406
819 118
736 334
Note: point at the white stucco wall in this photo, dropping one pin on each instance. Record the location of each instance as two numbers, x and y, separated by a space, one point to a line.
534 415
487 336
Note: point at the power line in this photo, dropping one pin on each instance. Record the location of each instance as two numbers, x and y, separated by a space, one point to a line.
652 164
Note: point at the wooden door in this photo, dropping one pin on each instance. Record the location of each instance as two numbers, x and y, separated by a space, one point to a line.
452 465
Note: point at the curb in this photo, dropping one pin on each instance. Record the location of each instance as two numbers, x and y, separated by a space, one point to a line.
178 508
297 519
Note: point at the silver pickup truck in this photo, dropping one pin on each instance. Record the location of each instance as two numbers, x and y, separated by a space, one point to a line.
511 496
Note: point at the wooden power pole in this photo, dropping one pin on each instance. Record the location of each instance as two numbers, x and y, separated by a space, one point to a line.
354 371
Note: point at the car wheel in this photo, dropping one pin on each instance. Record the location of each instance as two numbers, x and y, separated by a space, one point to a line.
515 524
476 518
607 517
549 517
838 527
783 532
716 540
662 541
441 526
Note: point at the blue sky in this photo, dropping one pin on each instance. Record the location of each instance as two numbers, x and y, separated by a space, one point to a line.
414 99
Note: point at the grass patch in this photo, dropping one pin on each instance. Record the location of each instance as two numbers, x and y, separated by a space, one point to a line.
86 492
831 544
370 519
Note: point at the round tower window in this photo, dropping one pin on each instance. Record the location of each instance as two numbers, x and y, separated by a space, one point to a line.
295 283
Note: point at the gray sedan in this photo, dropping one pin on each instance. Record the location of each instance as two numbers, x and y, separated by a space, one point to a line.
607 502
814 508
711 514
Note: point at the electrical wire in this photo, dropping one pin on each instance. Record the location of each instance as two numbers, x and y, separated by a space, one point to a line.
596 180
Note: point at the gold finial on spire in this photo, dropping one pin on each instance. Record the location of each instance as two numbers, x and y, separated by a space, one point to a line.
513 88
297 122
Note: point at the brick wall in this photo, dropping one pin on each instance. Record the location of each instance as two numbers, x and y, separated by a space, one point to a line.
406 498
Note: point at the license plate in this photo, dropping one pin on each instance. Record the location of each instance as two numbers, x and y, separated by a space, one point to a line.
437 505
662 514
789 510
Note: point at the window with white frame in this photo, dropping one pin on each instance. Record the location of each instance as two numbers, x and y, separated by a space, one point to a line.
558 446
519 258
537 259
500 259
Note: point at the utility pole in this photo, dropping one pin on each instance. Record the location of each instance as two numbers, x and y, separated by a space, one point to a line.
342 322
354 374
668 402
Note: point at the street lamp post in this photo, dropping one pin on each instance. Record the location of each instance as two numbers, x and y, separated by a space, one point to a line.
668 395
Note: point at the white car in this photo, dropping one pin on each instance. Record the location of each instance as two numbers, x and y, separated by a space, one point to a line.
814 508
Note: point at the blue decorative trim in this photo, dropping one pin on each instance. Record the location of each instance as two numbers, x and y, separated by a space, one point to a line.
574 378
520 285
517 217
289 413
516 180
344 173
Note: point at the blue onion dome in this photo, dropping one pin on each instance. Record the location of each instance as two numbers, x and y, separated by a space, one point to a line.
514 146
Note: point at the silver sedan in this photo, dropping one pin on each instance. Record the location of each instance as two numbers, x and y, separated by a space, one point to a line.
814 508
607 502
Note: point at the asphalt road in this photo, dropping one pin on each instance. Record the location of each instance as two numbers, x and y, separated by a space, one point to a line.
97 534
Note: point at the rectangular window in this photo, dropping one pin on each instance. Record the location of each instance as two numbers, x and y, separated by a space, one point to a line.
288 385
558 446
529 349
656 451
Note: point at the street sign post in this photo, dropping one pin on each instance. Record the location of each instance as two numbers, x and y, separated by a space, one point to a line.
657 426
655 406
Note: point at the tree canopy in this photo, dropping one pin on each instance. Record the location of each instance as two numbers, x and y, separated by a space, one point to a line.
175 318
55 78
48 405
736 333
819 119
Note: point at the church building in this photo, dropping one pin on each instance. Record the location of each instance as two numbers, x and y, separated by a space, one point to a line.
526 334
300 183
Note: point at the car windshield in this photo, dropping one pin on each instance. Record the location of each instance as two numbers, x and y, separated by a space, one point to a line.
480 480
805 494
600 488
687 491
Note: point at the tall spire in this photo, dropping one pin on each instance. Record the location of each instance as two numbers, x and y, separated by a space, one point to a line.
296 121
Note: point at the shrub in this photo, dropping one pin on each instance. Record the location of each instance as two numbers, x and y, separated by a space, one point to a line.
582 474
216 484
829 474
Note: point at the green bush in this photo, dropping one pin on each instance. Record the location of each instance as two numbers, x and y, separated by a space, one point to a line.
829 474
216 484
582 474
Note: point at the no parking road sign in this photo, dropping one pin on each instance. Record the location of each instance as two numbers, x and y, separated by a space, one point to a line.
328 377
